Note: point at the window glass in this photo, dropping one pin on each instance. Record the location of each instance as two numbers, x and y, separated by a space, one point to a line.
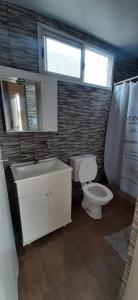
97 68
62 58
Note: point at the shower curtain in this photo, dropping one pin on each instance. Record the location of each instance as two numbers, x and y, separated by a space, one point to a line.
121 147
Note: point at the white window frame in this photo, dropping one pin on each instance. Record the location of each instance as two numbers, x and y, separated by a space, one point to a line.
51 32
67 42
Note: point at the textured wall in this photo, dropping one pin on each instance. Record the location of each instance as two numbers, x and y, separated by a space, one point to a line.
82 111
130 256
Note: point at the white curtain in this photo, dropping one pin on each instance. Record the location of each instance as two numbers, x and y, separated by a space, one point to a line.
115 133
121 147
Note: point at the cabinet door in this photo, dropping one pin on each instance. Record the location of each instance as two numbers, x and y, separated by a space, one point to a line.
34 216
60 207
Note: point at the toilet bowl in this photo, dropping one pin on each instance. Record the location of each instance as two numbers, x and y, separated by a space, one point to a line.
95 194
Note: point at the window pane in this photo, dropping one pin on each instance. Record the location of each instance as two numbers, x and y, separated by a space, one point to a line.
62 58
96 68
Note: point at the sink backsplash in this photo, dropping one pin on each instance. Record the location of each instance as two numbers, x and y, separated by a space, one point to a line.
81 128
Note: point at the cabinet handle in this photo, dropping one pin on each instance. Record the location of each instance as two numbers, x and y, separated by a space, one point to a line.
46 195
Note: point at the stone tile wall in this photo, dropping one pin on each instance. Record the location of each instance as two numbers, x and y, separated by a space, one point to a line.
82 110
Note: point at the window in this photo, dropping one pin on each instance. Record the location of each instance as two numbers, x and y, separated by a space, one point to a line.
62 58
67 56
97 68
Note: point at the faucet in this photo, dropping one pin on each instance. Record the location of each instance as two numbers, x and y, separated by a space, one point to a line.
35 159
46 143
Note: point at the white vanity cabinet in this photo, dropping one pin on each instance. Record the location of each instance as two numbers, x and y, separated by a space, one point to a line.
44 201
59 207
34 213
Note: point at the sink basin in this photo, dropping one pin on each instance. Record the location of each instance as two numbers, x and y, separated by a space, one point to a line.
30 169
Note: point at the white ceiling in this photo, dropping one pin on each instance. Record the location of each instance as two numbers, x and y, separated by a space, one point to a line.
115 21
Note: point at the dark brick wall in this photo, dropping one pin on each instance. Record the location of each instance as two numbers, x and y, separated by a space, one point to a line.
82 111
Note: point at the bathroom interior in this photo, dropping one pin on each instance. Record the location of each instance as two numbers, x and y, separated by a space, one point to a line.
68 148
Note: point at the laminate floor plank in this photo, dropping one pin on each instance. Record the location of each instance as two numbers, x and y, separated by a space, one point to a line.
75 262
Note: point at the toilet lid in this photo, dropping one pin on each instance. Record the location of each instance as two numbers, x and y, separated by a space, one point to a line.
87 170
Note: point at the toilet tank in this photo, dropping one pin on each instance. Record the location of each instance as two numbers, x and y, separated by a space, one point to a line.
75 162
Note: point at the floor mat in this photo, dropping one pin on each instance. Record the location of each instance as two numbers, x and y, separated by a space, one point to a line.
119 241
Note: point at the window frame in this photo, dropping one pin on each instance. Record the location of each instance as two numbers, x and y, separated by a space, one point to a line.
65 41
103 53
51 32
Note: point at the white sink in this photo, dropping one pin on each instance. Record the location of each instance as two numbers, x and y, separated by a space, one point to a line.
30 169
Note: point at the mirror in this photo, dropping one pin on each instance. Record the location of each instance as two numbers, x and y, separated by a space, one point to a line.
21 103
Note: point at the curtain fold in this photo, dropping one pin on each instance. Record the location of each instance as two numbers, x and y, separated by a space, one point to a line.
129 165
115 133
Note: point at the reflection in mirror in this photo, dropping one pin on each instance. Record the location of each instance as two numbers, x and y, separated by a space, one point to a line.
21 105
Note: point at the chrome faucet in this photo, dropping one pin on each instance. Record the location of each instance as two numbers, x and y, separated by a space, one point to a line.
46 143
35 159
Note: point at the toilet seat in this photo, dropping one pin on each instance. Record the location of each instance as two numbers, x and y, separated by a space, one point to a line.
98 192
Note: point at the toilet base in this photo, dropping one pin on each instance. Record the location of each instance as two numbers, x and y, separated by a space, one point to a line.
93 211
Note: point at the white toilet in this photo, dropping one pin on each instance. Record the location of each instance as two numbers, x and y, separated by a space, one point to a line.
95 194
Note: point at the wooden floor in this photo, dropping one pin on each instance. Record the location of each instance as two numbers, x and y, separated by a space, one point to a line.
75 262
